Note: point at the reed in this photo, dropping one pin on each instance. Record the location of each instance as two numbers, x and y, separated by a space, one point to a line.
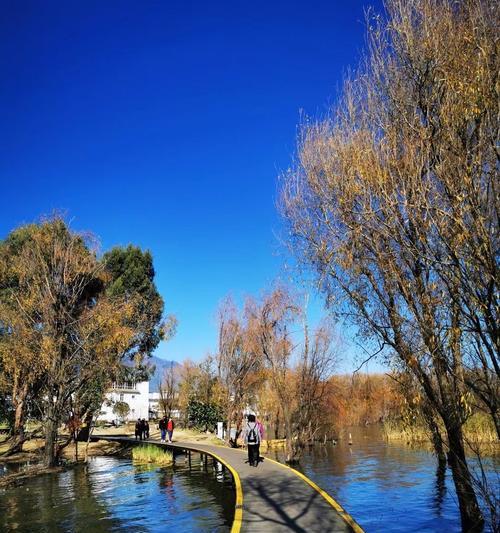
479 433
152 454
274 443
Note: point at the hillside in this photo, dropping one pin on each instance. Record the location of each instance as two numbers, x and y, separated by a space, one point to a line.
159 368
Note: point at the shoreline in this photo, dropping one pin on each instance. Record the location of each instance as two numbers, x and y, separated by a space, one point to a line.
33 448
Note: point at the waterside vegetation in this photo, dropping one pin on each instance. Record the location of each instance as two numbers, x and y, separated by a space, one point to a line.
150 454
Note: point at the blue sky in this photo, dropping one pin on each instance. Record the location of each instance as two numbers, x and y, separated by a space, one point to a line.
166 124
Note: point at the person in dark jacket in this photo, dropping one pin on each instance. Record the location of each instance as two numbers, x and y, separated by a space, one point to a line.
138 429
252 441
162 426
146 429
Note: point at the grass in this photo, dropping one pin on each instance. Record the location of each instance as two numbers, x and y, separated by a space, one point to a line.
152 454
273 444
479 433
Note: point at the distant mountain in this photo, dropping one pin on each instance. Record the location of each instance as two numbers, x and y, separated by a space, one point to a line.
160 366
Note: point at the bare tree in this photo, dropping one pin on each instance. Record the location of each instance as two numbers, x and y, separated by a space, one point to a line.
271 322
237 363
169 392
313 371
394 203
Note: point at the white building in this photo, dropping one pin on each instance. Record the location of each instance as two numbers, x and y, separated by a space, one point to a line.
155 410
135 395
154 404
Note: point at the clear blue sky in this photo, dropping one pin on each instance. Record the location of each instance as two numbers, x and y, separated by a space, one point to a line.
165 124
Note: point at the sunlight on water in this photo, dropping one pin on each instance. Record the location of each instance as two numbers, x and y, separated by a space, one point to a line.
112 494
386 487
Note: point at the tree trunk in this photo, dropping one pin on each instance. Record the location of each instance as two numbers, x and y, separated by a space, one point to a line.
436 438
89 420
18 434
76 449
49 455
290 450
229 417
496 419
470 514
277 425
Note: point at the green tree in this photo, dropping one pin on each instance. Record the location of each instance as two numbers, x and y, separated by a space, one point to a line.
203 415
59 327
121 410
129 275
132 275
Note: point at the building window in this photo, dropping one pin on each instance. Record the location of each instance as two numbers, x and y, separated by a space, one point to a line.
133 396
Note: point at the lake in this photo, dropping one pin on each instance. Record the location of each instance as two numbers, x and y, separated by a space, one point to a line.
113 494
387 487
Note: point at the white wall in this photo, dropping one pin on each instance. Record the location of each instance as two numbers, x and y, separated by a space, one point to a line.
136 398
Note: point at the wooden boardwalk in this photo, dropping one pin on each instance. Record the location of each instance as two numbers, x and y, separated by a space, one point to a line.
270 497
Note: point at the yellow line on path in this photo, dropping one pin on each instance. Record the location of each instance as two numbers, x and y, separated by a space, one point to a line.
344 514
238 511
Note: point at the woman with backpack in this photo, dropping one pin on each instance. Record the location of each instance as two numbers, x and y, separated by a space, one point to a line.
252 440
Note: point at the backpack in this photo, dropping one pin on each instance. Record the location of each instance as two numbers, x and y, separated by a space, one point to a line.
252 436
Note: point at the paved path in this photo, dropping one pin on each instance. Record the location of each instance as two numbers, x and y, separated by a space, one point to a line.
274 498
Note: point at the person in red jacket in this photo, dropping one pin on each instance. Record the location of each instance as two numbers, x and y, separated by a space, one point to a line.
170 429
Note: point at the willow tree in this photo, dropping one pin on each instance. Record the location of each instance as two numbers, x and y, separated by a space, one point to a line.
394 203
238 362
297 364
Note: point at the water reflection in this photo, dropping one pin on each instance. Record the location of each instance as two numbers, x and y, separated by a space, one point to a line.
112 494
386 487
440 489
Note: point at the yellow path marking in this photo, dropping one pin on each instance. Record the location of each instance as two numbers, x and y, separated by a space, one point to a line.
238 511
344 514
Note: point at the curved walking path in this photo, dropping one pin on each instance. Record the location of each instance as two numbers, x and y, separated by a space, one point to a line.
271 497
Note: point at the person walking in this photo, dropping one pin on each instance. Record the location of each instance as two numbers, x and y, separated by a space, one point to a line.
146 429
170 429
252 440
163 429
260 427
138 429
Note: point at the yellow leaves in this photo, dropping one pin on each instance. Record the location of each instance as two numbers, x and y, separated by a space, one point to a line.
466 402
412 362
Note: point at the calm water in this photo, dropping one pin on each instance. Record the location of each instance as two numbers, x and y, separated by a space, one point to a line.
386 487
112 494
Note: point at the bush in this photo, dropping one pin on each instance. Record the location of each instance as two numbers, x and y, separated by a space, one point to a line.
203 416
121 410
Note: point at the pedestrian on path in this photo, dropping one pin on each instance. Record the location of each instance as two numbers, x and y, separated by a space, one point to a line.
163 429
170 429
252 440
260 427
138 429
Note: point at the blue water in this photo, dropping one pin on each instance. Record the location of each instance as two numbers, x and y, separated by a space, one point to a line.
388 487
112 494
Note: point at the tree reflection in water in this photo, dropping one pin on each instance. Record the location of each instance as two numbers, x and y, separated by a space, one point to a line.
112 494
385 486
